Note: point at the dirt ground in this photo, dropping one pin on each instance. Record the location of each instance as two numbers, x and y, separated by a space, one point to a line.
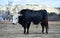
7 30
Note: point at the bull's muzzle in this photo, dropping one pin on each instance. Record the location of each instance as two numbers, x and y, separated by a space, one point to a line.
13 23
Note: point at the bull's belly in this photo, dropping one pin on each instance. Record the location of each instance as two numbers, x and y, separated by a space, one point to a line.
36 20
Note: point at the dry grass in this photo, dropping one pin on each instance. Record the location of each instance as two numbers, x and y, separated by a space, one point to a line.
5 22
54 22
8 30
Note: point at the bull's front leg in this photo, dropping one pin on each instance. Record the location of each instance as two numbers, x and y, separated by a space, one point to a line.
27 30
24 30
28 26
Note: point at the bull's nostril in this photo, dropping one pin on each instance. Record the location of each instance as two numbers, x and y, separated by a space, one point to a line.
13 23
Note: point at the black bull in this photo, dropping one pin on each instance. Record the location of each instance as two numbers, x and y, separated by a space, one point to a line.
35 16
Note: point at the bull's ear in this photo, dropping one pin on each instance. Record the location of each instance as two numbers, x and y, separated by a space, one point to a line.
19 14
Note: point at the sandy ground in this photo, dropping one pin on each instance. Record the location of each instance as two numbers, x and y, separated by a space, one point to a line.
7 30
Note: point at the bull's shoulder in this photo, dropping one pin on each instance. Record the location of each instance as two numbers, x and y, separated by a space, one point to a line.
23 11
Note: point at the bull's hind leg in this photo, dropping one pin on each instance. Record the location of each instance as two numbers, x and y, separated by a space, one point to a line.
45 22
42 28
46 26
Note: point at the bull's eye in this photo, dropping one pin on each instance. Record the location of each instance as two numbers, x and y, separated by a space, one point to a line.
16 18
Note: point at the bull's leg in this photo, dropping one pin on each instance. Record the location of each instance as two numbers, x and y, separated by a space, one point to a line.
24 29
28 26
28 30
46 26
45 21
42 28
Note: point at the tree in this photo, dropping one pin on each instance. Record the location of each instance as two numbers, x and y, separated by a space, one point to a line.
52 13
59 14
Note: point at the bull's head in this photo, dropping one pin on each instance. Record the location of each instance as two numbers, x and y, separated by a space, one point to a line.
15 18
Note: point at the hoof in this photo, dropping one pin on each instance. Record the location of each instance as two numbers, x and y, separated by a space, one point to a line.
27 32
24 32
46 32
42 32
